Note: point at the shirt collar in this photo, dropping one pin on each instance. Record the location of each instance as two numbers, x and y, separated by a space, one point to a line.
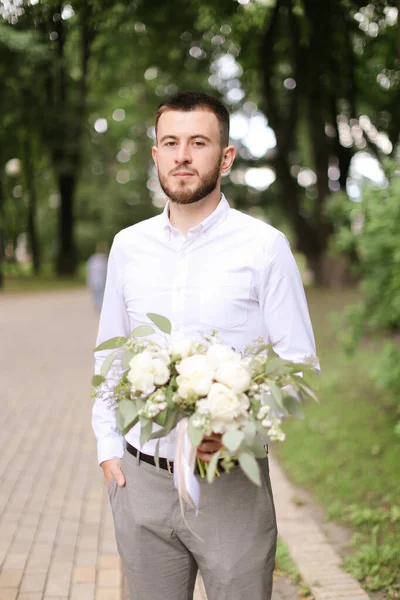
216 217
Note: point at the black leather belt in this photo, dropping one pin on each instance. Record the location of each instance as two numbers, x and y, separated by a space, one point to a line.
164 463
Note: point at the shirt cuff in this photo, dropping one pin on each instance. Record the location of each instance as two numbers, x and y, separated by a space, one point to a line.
110 447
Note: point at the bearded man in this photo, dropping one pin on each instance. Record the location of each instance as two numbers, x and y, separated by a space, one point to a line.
204 266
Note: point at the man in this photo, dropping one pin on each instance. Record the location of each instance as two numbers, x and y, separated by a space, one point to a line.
204 266
96 272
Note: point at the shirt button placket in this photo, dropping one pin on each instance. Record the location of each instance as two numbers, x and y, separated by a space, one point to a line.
178 294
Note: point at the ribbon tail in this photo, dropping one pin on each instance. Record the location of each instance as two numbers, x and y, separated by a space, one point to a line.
184 478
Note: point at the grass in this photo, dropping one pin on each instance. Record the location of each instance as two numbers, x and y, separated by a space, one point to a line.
284 566
20 279
346 451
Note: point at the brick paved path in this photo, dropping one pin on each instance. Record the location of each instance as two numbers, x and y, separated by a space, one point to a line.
56 532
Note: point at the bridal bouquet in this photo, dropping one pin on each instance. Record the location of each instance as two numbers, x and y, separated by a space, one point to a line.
203 387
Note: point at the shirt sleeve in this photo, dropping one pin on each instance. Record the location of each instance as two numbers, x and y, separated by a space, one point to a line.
114 321
284 306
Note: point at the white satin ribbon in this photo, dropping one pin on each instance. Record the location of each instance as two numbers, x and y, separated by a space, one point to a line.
184 465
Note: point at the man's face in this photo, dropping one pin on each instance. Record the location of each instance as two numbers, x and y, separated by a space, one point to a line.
188 155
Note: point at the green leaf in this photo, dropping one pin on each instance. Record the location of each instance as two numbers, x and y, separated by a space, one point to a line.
126 358
146 428
162 322
157 455
250 432
308 392
115 342
173 417
142 331
257 448
128 415
274 365
195 435
108 361
293 407
276 393
311 378
97 380
161 418
270 401
232 440
212 466
250 467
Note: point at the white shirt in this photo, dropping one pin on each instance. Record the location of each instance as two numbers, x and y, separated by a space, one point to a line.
232 273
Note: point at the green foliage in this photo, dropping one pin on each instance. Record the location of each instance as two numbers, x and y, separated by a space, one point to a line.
373 234
346 450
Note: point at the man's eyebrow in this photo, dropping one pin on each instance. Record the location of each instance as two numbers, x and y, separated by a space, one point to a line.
192 137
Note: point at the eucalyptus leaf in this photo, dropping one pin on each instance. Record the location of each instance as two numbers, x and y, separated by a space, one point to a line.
170 423
161 418
126 358
162 322
250 431
195 435
276 393
274 365
293 407
128 414
257 448
232 440
311 378
308 392
250 467
111 344
212 466
269 400
142 330
157 455
146 428
108 361
97 380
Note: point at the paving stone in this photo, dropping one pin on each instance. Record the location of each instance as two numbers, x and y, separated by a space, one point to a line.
56 527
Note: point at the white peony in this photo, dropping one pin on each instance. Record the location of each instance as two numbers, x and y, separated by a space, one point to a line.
145 371
195 376
235 375
181 348
225 406
218 354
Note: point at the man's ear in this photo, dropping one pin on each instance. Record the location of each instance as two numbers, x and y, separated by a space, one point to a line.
154 154
228 157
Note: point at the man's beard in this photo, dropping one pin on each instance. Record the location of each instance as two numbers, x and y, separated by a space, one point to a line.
207 185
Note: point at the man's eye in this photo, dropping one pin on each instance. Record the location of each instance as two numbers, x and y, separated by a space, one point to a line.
170 143
199 144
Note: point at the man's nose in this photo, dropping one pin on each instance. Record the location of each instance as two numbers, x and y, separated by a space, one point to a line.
183 154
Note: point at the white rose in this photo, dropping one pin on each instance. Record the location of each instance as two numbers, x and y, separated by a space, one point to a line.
181 348
145 371
225 407
195 376
218 354
235 375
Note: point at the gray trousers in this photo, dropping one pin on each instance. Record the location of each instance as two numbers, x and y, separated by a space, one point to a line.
236 524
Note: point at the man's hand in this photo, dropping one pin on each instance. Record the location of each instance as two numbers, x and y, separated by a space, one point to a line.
112 470
210 444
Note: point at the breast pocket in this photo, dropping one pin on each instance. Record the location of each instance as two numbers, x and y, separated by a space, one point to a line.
224 300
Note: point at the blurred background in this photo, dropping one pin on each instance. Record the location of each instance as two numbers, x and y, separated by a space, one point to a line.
313 88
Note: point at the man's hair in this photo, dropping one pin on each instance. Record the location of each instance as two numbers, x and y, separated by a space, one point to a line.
188 101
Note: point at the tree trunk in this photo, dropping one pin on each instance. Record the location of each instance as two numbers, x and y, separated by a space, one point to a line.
2 241
66 260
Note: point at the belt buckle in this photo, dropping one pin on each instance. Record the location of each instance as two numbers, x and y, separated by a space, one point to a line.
169 466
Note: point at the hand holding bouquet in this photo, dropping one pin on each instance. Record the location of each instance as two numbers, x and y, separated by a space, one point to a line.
206 387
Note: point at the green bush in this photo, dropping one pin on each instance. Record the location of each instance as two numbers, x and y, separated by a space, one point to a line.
370 231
